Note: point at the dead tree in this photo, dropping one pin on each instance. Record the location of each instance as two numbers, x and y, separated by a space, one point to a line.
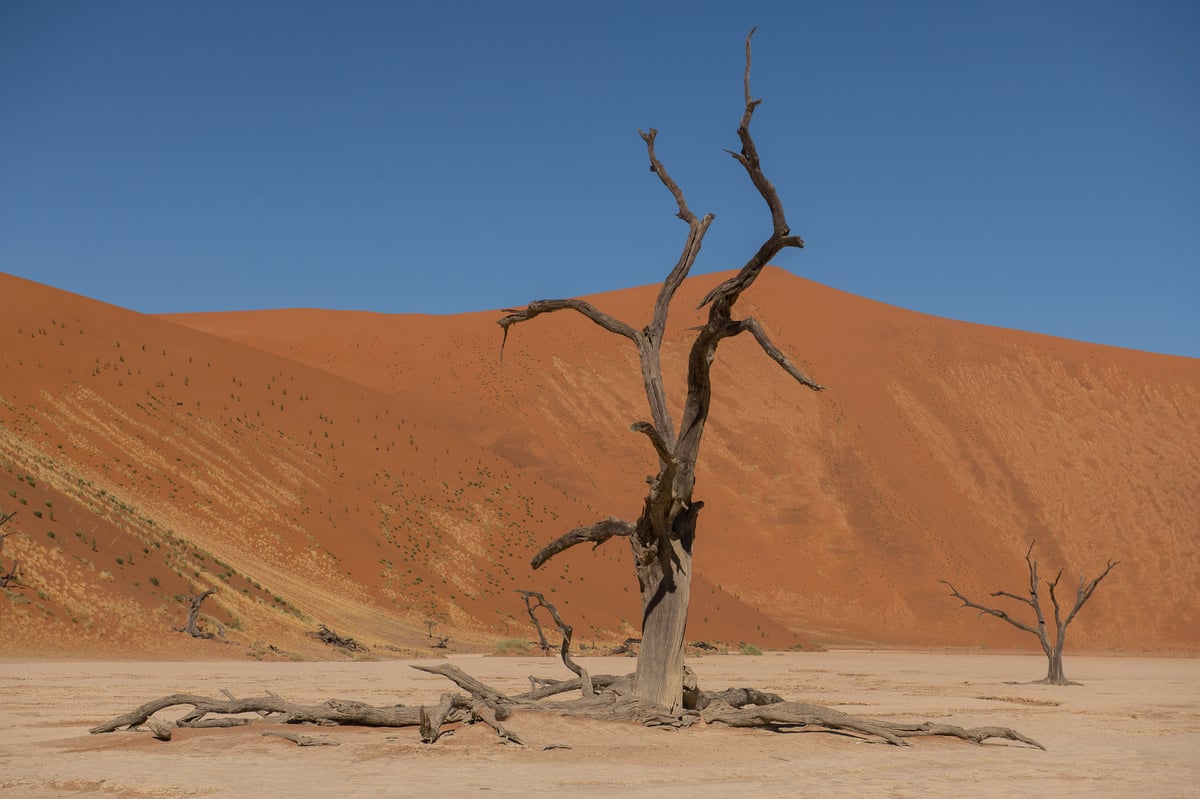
662 692
537 625
192 628
1054 674
564 628
12 573
664 533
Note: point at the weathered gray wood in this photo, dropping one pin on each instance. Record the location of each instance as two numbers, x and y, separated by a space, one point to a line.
303 740
431 722
489 706
781 715
488 715
1052 650
594 534
468 683
585 681
543 689
192 628
335 711
160 731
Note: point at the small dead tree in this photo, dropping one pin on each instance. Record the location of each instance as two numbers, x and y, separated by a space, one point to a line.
664 533
1054 674
12 573
564 628
442 641
192 627
537 625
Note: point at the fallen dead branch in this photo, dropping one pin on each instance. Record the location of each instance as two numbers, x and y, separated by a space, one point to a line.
328 636
612 699
302 740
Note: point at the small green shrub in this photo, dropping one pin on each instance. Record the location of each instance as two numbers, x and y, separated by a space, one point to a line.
511 646
750 649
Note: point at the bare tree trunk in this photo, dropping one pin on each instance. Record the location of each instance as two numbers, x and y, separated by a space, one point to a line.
659 675
1054 673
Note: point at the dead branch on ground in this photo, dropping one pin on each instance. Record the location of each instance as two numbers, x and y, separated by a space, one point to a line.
612 699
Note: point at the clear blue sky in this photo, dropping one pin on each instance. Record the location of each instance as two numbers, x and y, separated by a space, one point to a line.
1033 165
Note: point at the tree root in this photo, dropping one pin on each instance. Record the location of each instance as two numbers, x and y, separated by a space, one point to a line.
611 700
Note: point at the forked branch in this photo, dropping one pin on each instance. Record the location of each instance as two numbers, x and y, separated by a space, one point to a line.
780 238
990 611
777 355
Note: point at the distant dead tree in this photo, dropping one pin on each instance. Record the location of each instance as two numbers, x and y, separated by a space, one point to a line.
664 533
192 627
11 574
1054 674
442 641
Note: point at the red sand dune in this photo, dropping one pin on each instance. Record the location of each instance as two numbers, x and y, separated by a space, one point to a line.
372 471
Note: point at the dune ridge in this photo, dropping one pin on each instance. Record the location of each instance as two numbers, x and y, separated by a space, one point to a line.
374 471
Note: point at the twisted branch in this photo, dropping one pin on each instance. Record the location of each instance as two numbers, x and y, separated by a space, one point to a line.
595 534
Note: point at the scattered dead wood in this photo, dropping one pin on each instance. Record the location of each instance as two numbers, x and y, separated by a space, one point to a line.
192 627
328 636
613 699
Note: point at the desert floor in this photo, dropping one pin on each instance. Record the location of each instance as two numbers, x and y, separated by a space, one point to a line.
1133 728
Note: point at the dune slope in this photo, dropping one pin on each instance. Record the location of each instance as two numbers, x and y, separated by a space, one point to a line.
374 471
